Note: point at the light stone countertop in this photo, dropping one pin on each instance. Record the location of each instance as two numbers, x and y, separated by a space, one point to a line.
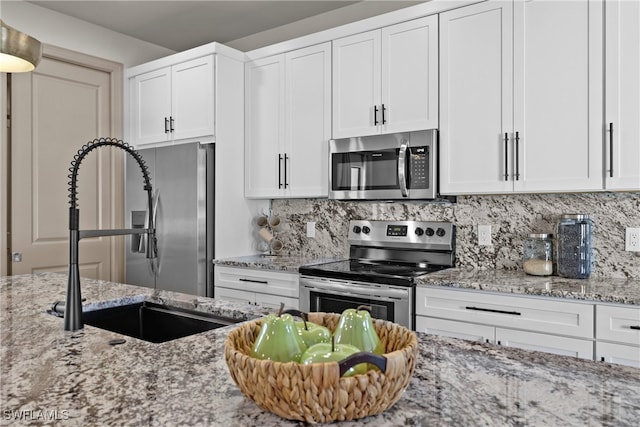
77 378
623 291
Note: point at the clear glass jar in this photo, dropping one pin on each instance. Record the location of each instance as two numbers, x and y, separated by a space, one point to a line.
538 255
574 253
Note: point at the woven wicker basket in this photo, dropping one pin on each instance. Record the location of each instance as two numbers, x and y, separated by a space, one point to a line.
316 393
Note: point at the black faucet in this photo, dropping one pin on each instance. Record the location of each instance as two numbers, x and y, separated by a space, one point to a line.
73 303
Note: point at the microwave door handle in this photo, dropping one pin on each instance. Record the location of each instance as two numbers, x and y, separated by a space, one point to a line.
402 169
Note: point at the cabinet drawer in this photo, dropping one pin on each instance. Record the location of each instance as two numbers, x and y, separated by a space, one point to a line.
618 353
619 324
263 281
527 313
547 343
234 295
453 329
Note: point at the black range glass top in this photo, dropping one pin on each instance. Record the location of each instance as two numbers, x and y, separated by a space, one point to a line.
383 272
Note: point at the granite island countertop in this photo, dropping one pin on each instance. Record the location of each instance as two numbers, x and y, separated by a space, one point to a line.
77 378
614 290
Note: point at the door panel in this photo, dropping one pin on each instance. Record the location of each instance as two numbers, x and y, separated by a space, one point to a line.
55 110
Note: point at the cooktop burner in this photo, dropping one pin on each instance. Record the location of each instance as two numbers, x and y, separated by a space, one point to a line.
367 271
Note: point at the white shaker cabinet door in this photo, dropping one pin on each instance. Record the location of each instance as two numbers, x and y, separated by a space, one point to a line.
622 95
308 120
476 114
151 107
410 76
557 95
356 84
192 99
264 127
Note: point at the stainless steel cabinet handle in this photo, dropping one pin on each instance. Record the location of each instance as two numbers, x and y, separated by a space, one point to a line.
517 143
279 170
637 328
166 125
383 110
506 156
611 150
491 310
402 175
375 115
171 124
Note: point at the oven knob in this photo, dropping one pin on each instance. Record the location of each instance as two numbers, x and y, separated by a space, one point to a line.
366 229
429 231
356 229
419 231
440 232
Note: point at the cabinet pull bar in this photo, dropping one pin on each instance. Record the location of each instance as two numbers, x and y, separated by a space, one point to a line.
285 170
375 115
506 157
490 310
279 171
611 150
637 328
263 282
166 125
517 174
171 123
383 110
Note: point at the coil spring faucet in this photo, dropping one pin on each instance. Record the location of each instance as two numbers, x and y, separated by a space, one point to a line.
73 303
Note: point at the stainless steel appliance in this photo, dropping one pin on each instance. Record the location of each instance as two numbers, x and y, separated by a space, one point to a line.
392 166
183 212
385 260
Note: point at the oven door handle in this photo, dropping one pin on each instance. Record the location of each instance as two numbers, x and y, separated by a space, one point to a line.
369 292
402 169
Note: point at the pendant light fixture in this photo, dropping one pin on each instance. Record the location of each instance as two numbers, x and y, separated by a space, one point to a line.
19 52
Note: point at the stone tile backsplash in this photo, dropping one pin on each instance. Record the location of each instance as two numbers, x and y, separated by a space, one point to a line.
512 218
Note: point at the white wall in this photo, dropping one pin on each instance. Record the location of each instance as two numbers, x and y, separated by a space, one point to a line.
60 30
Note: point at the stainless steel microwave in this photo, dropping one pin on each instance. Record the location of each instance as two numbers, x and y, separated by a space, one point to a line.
384 167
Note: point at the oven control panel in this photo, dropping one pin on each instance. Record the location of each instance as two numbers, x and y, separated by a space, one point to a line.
432 235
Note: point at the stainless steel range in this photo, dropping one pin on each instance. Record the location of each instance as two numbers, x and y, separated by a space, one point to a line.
385 260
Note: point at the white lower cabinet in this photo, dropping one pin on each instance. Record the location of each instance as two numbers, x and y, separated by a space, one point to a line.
258 287
542 324
618 334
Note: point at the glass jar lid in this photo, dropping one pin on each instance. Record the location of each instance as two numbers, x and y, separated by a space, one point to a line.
575 216
541 236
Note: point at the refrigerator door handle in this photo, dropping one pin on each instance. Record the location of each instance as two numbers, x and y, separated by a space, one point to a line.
154 260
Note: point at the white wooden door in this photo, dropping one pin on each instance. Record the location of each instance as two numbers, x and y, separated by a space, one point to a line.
264 127
454 329
410 75
192 99
308 120
622 95
356 85
151 107
476 98
557 95
56 109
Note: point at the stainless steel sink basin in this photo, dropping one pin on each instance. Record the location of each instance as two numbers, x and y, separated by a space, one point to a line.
153 322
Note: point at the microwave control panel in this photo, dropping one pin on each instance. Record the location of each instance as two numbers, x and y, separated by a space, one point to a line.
418 167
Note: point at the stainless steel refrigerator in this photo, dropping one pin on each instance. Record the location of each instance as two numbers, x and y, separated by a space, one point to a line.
182 177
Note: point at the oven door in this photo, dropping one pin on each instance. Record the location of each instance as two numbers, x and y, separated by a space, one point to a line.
387 302
393 166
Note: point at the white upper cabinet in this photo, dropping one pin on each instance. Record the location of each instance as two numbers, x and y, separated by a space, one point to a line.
386 80
521 97
622 95
288 124
264 126
173 103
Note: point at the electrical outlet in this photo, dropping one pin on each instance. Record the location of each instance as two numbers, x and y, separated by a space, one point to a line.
484 235
632 239
311 229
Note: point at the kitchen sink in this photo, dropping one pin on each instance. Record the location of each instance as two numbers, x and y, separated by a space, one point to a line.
152 322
